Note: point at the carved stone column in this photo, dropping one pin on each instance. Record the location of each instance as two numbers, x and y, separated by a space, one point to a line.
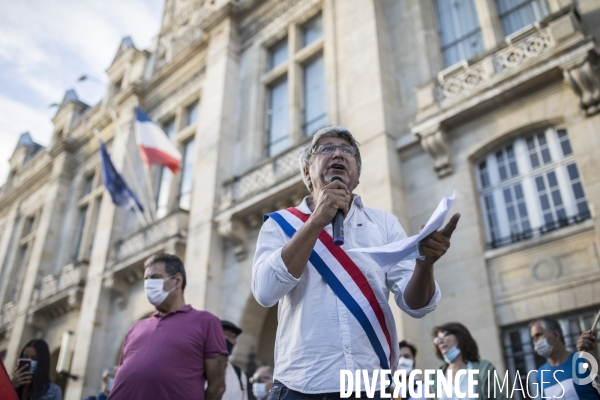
584 79
435 142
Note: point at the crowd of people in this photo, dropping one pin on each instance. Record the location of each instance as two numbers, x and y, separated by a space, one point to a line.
334 312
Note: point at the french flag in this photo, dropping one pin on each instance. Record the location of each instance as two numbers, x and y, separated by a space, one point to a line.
155 146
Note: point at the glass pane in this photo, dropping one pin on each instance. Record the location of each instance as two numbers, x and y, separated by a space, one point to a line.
573 173
564 143
278 122
545 202
459 31
539 182
169 127
552 179
578 190
79 232
185 188
278 54
315 104
517 14
162 196
483 175
312 30
192 114
87 187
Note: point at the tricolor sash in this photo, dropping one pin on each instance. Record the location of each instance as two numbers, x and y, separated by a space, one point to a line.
346 280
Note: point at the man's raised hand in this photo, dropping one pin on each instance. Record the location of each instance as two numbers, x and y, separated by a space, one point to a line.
335 195
434 246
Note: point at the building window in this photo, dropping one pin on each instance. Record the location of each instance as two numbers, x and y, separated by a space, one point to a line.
278 54
169 128
88 185
277 118
529 187
301 60
191 114
315 107
161 193
459 30
517 14
26 234
81 216
521 357
86 222
164 178
185 186
312 30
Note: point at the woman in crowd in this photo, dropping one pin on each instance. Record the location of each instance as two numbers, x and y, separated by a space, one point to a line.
457 348
32 380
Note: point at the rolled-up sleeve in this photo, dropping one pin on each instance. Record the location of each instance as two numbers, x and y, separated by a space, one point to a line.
399 275
270 277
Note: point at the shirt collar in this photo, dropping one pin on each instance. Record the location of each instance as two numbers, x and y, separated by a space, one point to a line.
184 309
303 207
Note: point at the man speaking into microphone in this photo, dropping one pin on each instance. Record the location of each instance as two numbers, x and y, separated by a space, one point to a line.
333 306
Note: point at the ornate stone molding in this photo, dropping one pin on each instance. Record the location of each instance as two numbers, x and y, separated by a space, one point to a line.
584 79
435 142
181 33
235 231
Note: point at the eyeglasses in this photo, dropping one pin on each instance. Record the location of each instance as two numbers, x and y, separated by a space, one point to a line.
328 149
438 339
230 335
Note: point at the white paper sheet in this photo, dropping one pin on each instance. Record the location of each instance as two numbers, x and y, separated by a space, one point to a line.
407 249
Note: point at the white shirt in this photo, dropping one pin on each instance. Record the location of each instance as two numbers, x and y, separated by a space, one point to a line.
233 391
317 336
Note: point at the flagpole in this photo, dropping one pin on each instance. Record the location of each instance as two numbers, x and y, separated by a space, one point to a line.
149 193
144 221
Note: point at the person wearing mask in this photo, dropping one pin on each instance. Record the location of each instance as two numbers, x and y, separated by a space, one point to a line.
459 351
172 354
262 382
31 380
236 382
556 375
407 362
108 378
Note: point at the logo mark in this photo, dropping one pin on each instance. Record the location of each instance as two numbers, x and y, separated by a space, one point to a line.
580 368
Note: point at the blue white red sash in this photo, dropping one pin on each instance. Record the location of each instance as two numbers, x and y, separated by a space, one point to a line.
346 280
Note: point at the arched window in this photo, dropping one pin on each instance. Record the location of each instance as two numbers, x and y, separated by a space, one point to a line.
529 187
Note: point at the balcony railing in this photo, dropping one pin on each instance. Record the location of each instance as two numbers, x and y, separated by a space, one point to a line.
173 225
540 231
59 293
265 176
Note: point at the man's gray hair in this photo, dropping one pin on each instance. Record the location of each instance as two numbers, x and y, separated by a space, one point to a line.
550 325
309 151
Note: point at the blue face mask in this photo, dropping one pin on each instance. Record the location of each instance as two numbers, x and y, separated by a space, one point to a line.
451 354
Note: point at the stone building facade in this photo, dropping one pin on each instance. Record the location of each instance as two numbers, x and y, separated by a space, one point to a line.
498 100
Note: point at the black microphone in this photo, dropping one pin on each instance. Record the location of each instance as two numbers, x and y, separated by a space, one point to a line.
338 222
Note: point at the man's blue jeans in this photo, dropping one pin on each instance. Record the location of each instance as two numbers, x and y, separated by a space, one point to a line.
282 392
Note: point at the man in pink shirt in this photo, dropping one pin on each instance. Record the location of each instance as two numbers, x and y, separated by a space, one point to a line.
173 353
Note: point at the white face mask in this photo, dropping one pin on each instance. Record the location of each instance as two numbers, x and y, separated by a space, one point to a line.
259 390
155 292
543 348
406 364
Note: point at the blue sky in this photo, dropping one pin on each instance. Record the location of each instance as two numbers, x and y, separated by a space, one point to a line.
45 45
